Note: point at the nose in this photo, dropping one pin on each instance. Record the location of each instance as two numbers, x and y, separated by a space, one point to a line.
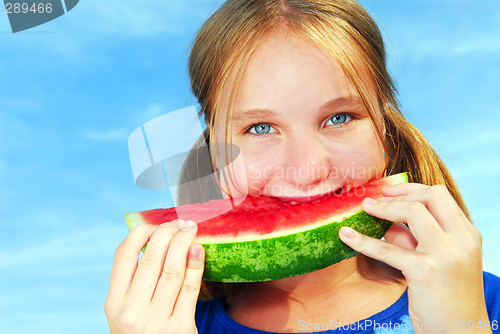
307 159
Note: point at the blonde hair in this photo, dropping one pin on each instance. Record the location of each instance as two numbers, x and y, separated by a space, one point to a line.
346 32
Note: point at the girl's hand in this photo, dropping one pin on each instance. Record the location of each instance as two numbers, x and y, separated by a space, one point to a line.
439 255
159 295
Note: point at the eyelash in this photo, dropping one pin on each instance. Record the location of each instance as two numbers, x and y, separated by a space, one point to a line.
349 115
247 130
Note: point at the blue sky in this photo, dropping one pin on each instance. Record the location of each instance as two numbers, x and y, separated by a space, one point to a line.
72 90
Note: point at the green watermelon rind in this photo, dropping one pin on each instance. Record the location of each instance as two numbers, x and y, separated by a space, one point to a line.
289 255
285 256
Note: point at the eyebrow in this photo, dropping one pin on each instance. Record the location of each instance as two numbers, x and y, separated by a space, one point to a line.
249 115
349 101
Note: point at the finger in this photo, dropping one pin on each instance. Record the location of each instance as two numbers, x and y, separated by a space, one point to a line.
149 268
125 260
384 251
422 224
402 189
186 302
400 235
440 204
174 269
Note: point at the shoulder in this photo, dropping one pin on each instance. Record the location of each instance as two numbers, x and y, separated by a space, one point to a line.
210 318
205 316
491 283
492 296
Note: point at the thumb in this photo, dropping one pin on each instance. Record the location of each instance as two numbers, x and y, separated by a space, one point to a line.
400 235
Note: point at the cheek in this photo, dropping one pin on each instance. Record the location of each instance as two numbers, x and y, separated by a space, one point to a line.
359 157
252 171
260 168
358 166
359 160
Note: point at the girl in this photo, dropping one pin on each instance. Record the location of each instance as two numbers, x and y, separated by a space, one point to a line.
301 86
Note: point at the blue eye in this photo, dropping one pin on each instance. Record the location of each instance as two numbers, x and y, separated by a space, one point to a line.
261 129
339 119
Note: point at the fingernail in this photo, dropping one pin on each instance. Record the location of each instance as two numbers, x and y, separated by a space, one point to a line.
174 224
369 200
179 222
187 225
347 232
386 199
195 251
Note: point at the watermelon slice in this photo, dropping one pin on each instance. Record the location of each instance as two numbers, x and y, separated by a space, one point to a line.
266 238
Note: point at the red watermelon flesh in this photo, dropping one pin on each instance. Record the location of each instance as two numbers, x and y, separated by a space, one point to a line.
235 240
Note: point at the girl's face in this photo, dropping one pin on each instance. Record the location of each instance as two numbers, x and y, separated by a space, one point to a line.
300 124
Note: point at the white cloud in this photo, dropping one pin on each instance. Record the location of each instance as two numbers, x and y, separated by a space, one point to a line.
419 30
134 19
479 45
441 45
109 135
112 196
68 252
58 281
92 20
475 155
150 112
45 320
141 116
489 137
94 28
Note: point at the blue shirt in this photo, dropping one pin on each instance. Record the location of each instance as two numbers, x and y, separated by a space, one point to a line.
212 318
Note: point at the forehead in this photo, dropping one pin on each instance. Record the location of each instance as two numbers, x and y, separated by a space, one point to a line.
287 72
